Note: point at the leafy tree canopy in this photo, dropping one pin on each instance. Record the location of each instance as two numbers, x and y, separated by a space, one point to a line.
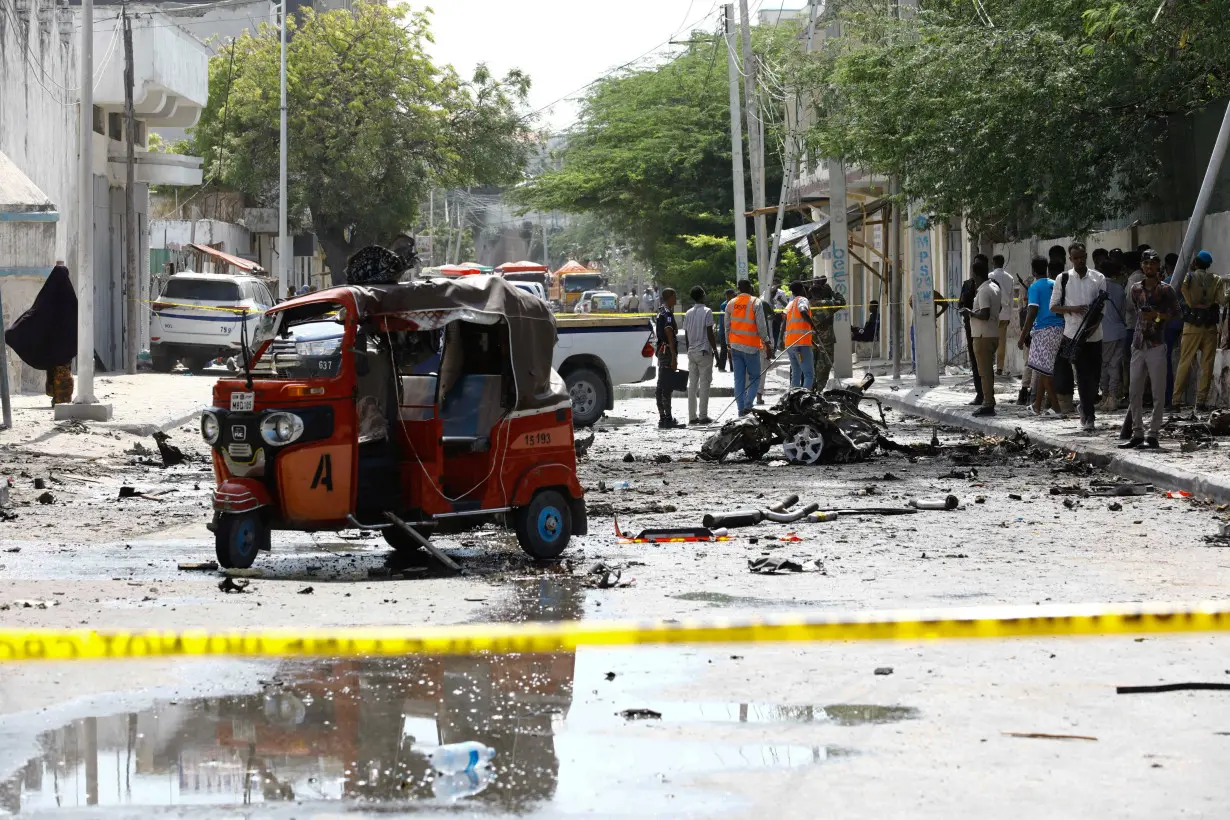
1031 115
650 160
372 123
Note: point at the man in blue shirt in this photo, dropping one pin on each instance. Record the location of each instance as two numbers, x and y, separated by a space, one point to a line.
1042 333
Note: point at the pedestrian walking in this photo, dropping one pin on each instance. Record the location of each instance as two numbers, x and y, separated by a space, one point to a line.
1007 287
1204 294
1078 297
984 324
1114 329
668 359
634 302
45 336
1041 332
698 330
723 347
798 338
823 305
1154 304
748 334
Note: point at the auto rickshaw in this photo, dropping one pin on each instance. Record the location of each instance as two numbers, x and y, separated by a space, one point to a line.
398 408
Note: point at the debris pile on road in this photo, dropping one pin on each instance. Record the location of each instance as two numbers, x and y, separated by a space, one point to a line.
812 427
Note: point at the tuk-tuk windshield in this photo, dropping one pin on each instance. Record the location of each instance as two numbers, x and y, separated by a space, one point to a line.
306 342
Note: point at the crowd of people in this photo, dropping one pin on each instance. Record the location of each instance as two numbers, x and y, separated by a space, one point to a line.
1104 332
748 334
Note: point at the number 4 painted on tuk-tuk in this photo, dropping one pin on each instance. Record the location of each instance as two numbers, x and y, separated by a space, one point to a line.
324 473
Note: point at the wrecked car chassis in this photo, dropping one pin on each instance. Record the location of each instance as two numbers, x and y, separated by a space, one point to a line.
812 427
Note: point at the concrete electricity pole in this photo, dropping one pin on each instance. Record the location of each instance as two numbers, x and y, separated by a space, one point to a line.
736 147
284 250
84 405
755 145
132 236
1202 199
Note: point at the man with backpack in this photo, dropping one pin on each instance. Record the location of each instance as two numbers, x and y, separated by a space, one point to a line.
1079 296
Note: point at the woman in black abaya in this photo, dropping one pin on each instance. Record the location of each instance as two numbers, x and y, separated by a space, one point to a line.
45 336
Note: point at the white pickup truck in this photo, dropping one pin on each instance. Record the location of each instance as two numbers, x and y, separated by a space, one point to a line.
594 354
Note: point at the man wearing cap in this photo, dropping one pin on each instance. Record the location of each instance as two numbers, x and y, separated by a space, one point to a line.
1203 292
1154 304
823 303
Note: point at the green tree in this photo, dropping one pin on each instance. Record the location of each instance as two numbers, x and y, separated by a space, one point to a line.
372 124
650 159
1029 115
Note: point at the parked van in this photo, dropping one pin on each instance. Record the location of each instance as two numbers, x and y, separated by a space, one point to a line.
200 317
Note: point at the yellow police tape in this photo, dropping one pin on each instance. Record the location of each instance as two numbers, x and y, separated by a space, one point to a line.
164 303
988 622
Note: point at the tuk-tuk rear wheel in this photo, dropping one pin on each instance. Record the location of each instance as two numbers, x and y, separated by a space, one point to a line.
239 538
544 526
396 538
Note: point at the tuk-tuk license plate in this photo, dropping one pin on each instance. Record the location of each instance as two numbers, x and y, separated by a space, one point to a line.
243 402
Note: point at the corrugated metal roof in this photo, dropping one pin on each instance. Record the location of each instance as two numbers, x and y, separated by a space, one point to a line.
17 192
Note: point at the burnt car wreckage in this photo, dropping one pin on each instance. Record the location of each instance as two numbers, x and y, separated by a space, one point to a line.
812 427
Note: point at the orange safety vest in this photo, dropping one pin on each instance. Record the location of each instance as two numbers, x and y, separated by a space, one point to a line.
743 322
798 329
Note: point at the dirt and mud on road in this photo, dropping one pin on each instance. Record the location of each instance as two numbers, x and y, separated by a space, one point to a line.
920 730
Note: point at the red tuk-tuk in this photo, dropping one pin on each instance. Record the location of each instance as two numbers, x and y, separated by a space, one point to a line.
396 407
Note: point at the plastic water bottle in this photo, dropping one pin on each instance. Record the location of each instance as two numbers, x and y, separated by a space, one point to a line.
459 757
622 485
455 786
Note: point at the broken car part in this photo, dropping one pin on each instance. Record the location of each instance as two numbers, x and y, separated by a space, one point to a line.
949 503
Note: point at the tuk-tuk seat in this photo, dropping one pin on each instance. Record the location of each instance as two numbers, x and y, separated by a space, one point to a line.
471 408
465 444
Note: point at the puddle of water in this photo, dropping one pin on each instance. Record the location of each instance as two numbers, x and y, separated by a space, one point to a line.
361 731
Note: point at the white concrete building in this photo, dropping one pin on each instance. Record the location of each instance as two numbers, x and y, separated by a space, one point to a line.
39 82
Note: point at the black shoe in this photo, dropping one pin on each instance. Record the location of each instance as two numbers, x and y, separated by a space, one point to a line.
985 411
977 401
1132 443
1022 397
670 424
704 420
1152 443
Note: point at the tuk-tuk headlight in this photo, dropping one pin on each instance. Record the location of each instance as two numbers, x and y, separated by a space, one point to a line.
210 429
280 429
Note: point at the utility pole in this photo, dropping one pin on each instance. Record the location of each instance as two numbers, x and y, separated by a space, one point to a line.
284 249
132 239
755 144
546 254
1202 199
736 148
84 405
792 153
895 290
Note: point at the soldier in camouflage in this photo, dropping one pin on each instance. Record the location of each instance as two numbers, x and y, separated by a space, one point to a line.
823 299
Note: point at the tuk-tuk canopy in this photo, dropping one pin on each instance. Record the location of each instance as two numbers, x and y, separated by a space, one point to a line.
430 304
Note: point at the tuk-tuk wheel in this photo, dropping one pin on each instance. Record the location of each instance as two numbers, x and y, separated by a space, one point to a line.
544 525
239 538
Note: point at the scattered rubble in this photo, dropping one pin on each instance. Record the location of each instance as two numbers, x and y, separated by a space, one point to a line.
229 584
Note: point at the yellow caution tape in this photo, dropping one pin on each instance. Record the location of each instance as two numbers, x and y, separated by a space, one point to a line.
989 622
164 303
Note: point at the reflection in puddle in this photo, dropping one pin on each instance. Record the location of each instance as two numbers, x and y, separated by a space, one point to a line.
363 730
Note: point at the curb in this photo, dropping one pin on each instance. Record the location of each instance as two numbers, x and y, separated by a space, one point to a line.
1163 478
147 430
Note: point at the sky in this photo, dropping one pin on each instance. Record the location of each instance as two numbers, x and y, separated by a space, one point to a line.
564 44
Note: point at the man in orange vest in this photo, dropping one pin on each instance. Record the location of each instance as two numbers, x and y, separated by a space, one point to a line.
798 338
747 333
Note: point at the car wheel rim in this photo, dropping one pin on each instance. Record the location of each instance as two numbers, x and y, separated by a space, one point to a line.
583 397
804 446
550 522
245 538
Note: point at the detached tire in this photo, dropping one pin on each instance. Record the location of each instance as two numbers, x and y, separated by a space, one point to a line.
588 392
239 538
544 526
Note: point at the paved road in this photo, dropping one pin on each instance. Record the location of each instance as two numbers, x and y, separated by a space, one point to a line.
746 731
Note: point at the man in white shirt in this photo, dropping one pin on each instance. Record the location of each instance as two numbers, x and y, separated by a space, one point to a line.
1007 286
698 329
984 327
1075 291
